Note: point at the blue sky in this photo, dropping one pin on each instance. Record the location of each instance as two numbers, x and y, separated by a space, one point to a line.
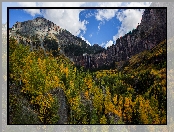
94 26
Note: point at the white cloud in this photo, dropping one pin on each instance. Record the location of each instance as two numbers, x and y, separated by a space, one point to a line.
100 23
103 44
33 12
70 20
89 15
65 18
129 20
105 14
98 27
109 43
85 40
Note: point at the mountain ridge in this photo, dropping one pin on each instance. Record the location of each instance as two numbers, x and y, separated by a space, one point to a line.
45 29
49 36
150 32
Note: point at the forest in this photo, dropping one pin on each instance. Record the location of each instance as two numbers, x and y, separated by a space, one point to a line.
134 94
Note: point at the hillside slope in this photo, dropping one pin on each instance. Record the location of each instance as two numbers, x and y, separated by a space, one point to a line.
54 91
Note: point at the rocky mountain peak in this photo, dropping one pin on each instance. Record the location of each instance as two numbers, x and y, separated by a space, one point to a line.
44 33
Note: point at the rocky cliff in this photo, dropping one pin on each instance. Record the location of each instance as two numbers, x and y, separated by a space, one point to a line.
150 32
44 33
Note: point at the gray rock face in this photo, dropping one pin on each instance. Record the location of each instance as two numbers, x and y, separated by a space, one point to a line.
21 112
63 107
42 28
113 118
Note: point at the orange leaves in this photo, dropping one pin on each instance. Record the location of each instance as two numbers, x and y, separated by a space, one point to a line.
115 99
42 65
109 107
99 75
44 101
88 81
156 73
86 95
127 102
39 61
61 67
56 79
66 71
120 100
145 110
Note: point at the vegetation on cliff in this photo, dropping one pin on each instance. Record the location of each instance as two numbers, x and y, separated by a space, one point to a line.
136 94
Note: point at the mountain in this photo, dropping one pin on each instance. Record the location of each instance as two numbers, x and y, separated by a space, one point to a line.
150 32
83 97
43 33
52 90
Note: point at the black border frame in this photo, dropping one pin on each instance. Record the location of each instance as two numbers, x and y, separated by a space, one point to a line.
8 8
